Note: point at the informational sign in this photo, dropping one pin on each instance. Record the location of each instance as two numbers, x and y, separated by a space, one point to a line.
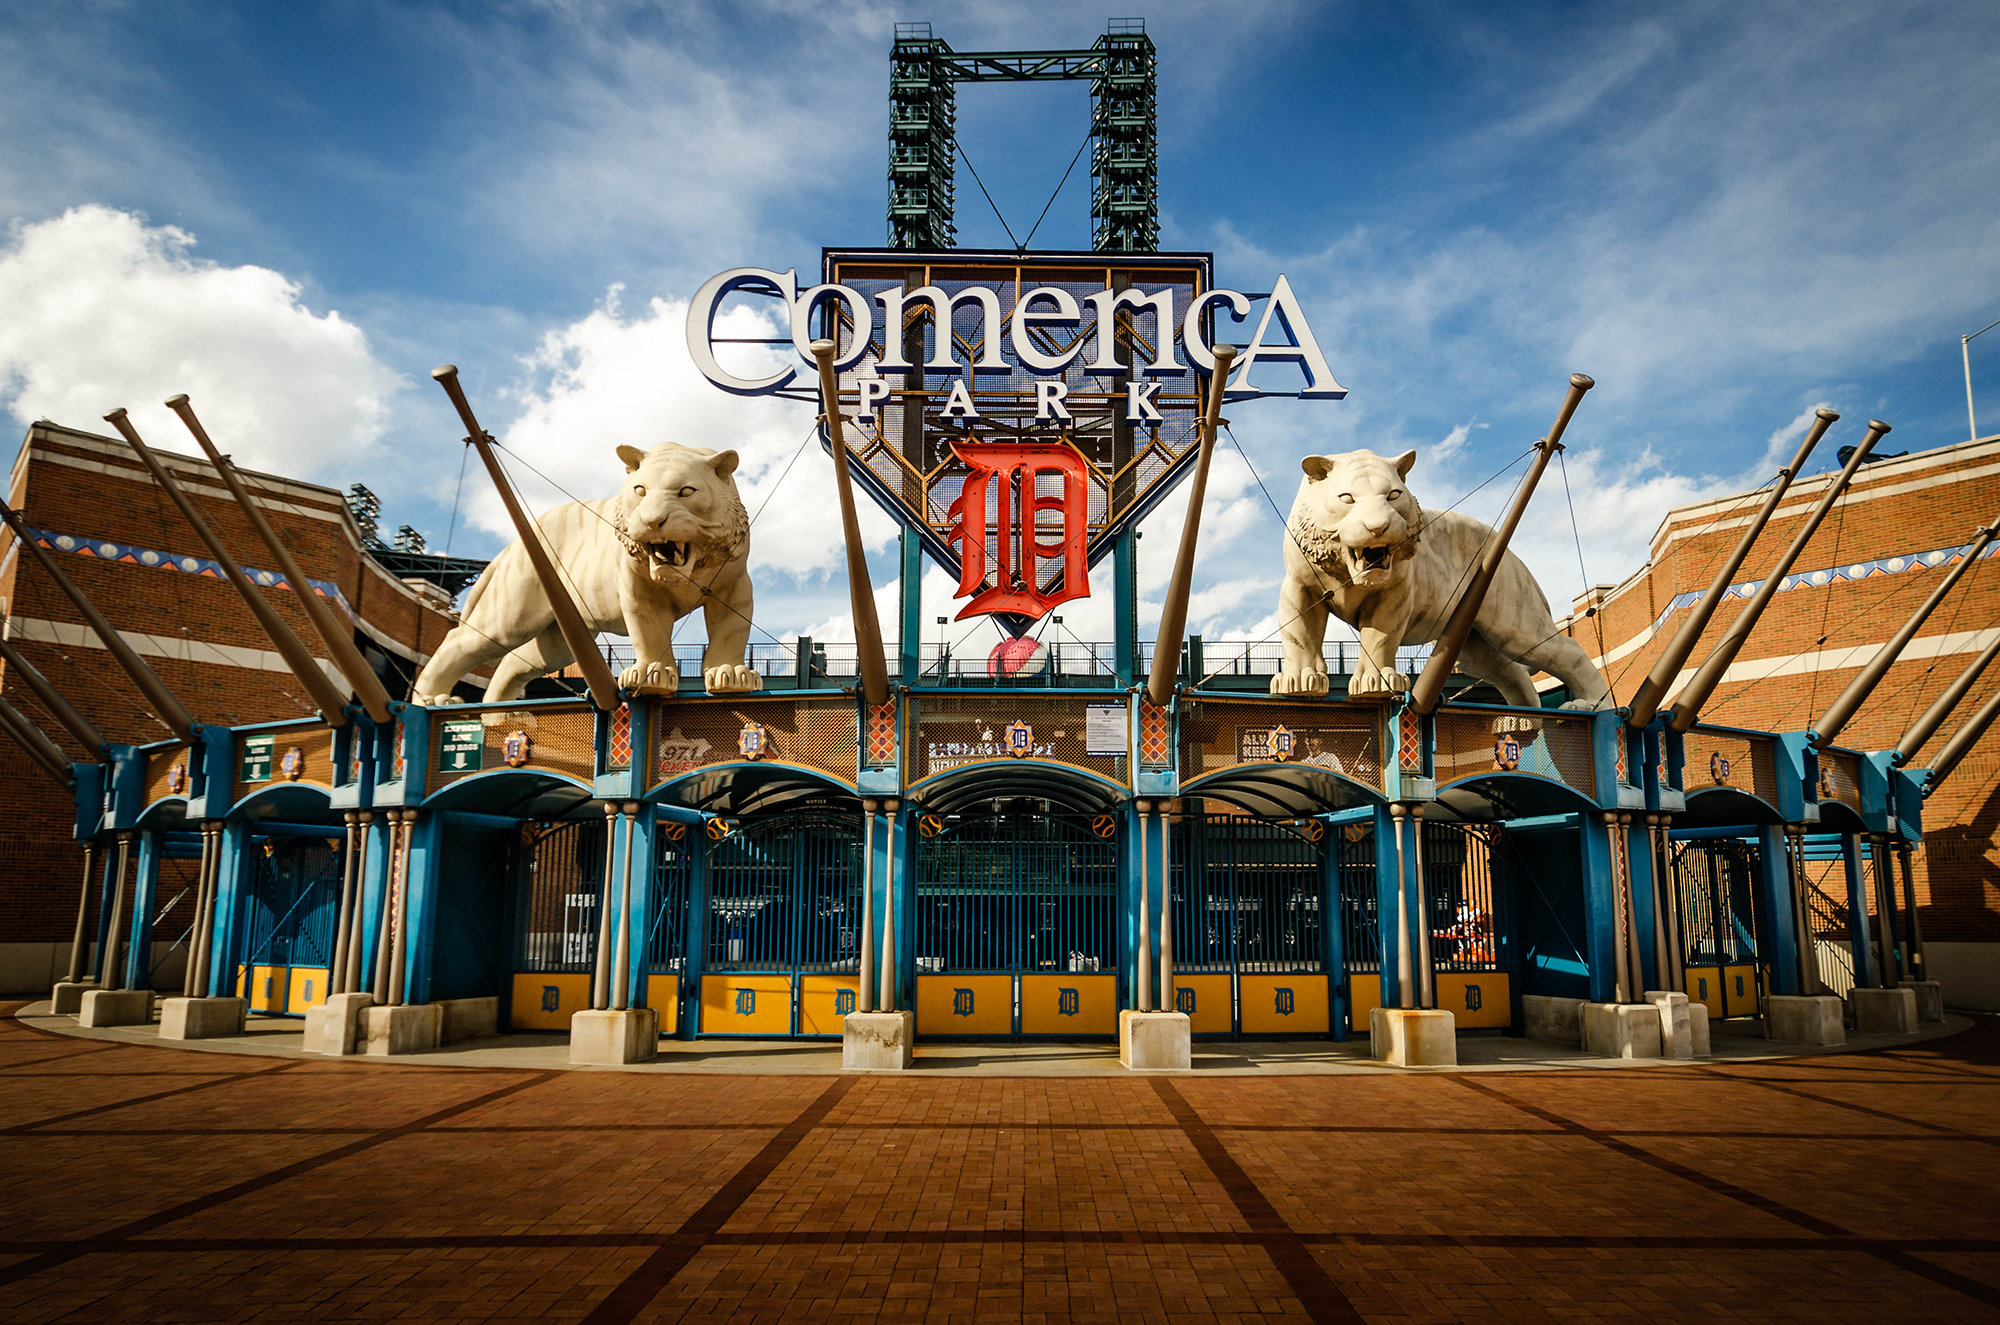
1104 730
461 746
256 760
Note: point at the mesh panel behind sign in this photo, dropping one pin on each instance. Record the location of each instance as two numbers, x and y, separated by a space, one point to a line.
1556 746
954 730
1347 739
691 734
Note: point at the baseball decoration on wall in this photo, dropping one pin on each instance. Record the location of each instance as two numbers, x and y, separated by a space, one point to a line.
1016 658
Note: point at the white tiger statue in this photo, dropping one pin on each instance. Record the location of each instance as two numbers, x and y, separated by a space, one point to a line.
675 537
1361 548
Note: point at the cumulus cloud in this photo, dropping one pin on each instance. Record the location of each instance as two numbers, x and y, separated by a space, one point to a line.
624 378
104 310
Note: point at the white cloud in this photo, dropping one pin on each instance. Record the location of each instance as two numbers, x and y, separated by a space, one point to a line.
104 310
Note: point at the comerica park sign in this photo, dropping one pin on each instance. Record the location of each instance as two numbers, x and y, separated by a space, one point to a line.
1019 412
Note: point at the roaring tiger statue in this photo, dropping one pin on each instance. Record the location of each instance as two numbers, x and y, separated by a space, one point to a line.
676 536
1362 549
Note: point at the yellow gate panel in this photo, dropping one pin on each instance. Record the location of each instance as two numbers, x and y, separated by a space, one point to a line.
1704 986
746 1004
1209 994
307 988
1739 991
267 989
1476 998
546 1001
1069 1005
825 1001
664 992
968 1005
1284 1004
1364 993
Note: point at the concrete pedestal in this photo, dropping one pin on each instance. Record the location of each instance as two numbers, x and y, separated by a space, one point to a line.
410 1029
1413 1037
470 1018
66 999
334 1027
1698 1029
115 1007
1621 1030
202 1018
1155 1041
1804 1019
1930 999
878 1041
1552 1020
1676 1027
1885 1011
612 1039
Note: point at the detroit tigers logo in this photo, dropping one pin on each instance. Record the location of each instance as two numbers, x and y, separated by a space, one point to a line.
516 748
746 1002
551 998
961 1002
1020 738
1284 1002
1031 527
1068 1002
1506 754
1718 768
843 1002
1281 743
754 741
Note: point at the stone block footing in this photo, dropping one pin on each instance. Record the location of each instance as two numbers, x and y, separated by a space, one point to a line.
115 1007
410 1029
613 1038
1155 1041
66 999
1930 999
1804 1019
202 1018
1552 1020
469 1018
1413 1037
1621 1030
334 1027
1676 1024
1698 1029
1885 1011
878 1041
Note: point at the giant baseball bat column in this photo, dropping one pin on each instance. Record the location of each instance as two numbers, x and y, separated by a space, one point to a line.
1173 612
860 588
166 706
1839 713
36 744
54 700
1428 692
1646 700
338 639
81 940
331 703
1961 743
1687 704
1925 727
582 644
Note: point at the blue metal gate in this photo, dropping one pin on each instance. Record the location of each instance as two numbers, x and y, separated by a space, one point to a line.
1015 923
781 948
1249 949
294 890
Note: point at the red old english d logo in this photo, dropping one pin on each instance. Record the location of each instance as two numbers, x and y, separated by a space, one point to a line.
1009 492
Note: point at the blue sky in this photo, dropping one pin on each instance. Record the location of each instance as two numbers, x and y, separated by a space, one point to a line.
1728 214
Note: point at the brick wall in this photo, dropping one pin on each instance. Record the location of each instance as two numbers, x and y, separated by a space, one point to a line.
94 489
1814 639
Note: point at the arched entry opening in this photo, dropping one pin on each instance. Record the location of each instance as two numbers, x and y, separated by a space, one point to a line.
1717 858
776 942
1015 915
294 855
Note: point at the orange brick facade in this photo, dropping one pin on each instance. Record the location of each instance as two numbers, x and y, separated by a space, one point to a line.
190 627
1815 638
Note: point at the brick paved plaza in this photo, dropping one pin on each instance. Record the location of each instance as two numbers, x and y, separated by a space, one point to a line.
166 1185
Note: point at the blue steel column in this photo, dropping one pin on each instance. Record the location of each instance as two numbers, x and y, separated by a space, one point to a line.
374 888
420 903
1600 907
1386 861
227 941
645 885
1332 930
1865 971
897 907
697 845
1778 941
1125 606
910 609
145 889
1639 847
104 886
